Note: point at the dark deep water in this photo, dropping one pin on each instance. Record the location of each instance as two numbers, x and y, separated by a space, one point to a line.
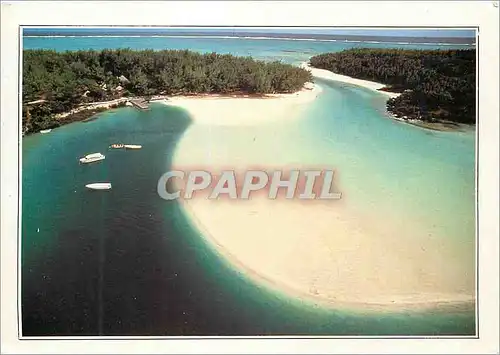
126 262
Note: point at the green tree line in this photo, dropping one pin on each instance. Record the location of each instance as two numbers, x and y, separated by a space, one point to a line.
65 80
435 84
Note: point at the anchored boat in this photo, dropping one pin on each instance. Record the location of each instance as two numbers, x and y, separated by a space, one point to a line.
132 146
45 130
90 158
99 186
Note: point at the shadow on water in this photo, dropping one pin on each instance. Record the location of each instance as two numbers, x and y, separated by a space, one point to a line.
110 256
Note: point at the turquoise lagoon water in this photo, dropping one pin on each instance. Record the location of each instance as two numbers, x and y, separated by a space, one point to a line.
266 49
132 264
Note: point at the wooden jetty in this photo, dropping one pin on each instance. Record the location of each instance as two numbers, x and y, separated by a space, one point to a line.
140 103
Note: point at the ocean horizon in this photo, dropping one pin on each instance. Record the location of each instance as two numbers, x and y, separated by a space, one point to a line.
283 34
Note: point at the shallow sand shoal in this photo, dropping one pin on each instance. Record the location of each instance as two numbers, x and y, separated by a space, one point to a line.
326 74
318 251
243 111
330 253
326 252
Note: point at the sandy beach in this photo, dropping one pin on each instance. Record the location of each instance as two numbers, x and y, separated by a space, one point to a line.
326 74
245 111
325 252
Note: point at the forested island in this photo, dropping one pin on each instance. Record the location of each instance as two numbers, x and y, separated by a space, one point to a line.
57 83
436 86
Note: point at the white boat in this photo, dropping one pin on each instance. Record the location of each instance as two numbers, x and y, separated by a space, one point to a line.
45 130
99 186
90 158
132 146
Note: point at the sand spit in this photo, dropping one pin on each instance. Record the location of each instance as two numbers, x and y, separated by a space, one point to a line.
326 74
326 252
244 111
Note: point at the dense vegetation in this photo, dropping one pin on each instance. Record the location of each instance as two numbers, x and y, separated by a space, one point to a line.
66 80
436 85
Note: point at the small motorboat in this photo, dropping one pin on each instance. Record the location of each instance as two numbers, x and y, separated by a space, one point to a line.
132 146
45 130
117 146
99 186
90 158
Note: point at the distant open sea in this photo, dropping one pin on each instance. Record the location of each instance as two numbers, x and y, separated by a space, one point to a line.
126 262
